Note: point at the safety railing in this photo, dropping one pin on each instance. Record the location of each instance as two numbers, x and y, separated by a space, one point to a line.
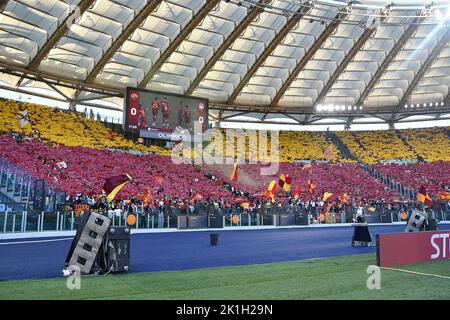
27 221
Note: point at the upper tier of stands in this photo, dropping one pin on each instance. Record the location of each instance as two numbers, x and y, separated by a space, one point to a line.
301 145
431 144
307 145
374 146
65 128
74 129
411 145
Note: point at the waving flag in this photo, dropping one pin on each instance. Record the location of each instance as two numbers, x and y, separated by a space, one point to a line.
271 190
424 197
114 184
311 186
328 196
444 195
344 198
146 199
296 192
285 182
234 174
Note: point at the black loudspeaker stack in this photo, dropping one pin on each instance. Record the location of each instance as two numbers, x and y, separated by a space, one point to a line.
118 249
99 248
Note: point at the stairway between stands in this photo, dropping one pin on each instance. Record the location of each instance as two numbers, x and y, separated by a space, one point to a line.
345 152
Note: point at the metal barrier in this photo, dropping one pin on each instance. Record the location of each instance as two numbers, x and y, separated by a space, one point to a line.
23 221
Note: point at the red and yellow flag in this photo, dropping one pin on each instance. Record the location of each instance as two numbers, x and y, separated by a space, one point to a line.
424 197
234 174
114 184
444 195
328 196
285 182
271 190
311 186
344 198
146 199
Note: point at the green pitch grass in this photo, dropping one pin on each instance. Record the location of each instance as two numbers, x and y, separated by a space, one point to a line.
334 278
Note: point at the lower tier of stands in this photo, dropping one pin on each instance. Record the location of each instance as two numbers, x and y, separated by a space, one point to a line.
434 176
335 178
86 169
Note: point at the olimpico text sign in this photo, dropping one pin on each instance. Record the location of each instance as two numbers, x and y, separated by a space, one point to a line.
413 247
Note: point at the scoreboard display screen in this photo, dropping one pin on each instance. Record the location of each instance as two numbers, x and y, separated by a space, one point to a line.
157 114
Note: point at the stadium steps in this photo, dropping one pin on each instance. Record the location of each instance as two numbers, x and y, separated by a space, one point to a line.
401 137
13 203
345 152
399 189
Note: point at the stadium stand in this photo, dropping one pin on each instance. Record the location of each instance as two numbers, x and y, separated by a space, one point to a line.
431 144
304 145
336 178
88 147
87 169
67 128
375 146
435 176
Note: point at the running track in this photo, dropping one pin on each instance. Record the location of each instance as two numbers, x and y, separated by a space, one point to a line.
190 250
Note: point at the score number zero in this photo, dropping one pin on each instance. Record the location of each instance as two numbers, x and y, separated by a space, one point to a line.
133 112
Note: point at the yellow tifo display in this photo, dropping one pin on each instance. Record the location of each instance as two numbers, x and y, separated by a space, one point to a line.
73 129
374 146
291 145
305 145
431 144
68 128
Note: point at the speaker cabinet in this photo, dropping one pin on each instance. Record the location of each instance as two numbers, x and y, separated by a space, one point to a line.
118 249
415 221
87 243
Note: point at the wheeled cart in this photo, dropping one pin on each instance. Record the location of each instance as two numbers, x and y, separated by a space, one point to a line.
361 235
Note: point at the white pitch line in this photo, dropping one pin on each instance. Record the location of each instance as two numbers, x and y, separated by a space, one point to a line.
36 241
415 272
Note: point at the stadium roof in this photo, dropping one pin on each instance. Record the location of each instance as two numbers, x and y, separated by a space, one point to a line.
304 61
